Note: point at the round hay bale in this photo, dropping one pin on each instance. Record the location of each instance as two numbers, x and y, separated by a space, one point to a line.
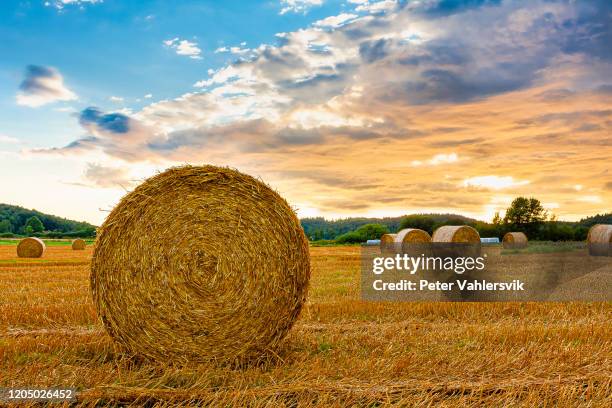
200 263
387 243
456 241
599 240
515 240
412 240
78 244
31 248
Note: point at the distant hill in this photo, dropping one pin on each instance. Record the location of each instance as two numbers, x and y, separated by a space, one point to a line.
13 220
320 228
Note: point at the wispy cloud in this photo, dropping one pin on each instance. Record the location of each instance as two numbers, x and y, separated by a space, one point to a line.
298 6
494 182
60 4
441 158
8 139
43 85
184 47
335 21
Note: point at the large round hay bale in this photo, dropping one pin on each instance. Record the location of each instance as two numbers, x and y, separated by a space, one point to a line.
599 240
202 264
412 240
514 240
78 244
456 241
30 248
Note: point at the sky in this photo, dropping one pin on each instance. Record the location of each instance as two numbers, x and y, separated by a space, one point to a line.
346 108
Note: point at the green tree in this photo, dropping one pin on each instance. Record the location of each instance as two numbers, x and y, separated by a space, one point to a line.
524 211
497 220
363 233
422 222
6 226
35 224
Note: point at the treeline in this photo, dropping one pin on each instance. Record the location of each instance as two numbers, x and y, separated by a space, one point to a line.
17 221
524 214
321 229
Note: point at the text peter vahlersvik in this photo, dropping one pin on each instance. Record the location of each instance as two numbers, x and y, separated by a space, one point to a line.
459 265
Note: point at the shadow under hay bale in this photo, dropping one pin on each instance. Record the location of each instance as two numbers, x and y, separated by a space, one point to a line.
200 263
31 248
599 240
515 240
78 244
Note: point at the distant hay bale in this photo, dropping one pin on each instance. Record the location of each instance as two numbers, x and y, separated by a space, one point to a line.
387 243
412 240
599 240
31 248
78 244
456 234
456 241
515 240
387 239
200 263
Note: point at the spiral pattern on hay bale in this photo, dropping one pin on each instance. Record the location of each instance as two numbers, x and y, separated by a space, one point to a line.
200 263
31 248
78 244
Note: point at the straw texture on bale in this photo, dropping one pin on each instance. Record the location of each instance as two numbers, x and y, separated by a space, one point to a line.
599 240
78 244
387 239
412 238
200 263
456 241
456 234
30 248
515 240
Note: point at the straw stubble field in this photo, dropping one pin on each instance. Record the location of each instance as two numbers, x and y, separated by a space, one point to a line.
342 351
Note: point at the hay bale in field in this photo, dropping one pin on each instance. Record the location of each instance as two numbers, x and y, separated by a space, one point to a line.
412 240
599 240
200 263
514 240
78 244
31 248
387 243
456 241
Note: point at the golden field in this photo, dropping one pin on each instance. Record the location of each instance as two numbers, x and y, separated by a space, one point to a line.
342 351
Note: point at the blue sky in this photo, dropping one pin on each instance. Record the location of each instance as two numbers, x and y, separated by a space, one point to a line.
346 107
114 48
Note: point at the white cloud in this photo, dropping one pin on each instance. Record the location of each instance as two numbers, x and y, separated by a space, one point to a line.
148 96
376 6
590 199
60 4
8 139
43 85
184 47
494 182
116 99
298 6
335 21
442 158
